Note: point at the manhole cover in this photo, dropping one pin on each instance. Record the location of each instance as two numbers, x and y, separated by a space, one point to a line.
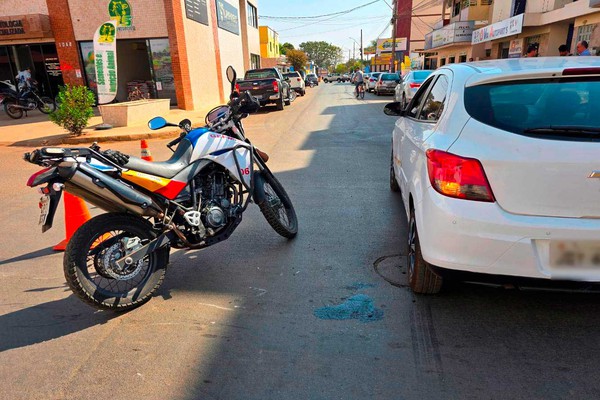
392 269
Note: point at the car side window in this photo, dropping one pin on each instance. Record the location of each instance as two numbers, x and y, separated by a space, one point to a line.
415 105
434 103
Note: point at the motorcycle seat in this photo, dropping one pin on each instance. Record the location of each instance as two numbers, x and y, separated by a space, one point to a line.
165 169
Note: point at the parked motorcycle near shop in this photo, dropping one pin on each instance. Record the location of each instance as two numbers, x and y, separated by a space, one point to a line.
196 199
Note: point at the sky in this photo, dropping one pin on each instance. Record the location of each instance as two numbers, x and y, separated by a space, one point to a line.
374 20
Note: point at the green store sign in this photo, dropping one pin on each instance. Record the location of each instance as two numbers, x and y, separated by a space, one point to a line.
120 12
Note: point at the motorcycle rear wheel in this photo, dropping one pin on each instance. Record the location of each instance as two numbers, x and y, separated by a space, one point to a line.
277 207
12 110
47 105
91 271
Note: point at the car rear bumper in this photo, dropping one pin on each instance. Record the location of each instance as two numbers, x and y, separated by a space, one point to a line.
483 238
385 89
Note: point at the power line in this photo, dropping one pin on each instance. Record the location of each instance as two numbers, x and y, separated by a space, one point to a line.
334 30
319 16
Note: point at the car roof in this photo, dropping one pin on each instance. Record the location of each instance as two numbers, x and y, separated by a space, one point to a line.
489 71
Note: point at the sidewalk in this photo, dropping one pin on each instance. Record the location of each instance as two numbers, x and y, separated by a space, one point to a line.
36 130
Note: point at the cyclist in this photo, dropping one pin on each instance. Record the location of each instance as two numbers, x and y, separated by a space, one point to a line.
358 80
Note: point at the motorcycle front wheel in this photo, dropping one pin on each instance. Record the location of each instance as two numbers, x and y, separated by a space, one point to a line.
90 264
47 105
12 110
278 208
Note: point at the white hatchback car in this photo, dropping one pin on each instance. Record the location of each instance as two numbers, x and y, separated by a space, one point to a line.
498 163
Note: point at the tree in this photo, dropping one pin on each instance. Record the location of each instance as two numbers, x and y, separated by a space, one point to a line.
284 48
322 53
341 69
74 108
297 58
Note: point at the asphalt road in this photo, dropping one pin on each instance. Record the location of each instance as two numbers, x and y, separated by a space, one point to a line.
258 317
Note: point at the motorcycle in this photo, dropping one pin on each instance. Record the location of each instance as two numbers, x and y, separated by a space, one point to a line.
196 199
15 103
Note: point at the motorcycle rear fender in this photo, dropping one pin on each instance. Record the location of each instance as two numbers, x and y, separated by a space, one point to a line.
43 176
54 200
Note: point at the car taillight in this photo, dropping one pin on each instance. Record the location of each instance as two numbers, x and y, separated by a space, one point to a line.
372 80
237 88
581 71
298 79
275 87
458 177
414 85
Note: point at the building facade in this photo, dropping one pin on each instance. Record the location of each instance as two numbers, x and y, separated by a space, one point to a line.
492 29
176 49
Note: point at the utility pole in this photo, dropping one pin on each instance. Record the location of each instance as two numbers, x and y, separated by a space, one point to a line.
362 55
394 19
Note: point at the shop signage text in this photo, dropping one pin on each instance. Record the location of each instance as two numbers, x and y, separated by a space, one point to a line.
452 33
227 17
120 12
385 45
12 27
515 50
196 10
507 27
105 61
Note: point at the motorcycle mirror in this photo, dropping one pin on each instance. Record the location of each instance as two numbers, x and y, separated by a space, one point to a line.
157 123
231 76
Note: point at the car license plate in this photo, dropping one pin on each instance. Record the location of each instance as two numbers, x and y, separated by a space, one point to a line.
44 207
566 255
258 96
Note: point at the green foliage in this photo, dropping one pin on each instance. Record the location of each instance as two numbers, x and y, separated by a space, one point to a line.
322 53
341 69
284 48
297 58
74 108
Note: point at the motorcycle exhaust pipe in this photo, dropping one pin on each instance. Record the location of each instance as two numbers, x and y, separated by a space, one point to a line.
106 192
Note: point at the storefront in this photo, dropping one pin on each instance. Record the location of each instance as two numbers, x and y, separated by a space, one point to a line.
26 41
452 44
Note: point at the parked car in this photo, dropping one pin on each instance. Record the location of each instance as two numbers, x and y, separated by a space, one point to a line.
497 166
312 78
267 85
372 81
386 83
409 86
296 82
334 77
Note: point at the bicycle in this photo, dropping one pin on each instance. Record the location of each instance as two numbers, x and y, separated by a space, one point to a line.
360 90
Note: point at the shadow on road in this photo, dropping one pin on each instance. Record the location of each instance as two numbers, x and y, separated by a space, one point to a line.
47 321
29 256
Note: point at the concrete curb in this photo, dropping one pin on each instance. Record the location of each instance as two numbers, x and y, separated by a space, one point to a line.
85 139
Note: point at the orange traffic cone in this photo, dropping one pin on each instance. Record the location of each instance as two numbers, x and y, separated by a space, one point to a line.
145 152
76 214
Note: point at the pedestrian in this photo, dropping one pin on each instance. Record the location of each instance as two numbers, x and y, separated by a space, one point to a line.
563 50
582 48
358 79
532 50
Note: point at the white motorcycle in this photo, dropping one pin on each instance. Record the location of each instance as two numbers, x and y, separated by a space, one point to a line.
195 199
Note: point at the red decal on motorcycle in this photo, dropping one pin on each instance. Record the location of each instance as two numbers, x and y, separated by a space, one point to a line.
172 189
32 177
245 171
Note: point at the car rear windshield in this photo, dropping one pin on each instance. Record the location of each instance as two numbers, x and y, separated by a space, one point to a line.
390 77
421 75
311 76
291 75
559 108
261 74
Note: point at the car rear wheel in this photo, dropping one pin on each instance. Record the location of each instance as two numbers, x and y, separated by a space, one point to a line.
280 104
421 277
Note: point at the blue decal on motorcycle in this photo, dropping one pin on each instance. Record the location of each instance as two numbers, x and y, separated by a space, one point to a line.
195 134
219 152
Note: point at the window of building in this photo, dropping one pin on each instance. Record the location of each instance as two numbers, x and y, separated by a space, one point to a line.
252 16
451 60
462 58
254 61
487 2
585 33
456 8
434 104
442 61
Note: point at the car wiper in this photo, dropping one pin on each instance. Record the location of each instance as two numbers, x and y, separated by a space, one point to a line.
562 129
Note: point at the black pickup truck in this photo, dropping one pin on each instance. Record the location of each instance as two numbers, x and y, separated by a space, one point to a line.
267 85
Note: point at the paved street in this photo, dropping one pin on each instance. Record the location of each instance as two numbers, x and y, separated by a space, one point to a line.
239 320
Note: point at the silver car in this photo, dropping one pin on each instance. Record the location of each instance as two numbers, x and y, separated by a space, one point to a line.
373 76
411 82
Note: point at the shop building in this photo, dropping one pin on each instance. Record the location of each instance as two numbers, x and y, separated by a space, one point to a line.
547 24
269 48
175 49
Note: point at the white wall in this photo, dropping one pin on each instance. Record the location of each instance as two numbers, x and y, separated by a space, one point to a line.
20 7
